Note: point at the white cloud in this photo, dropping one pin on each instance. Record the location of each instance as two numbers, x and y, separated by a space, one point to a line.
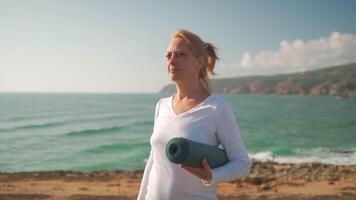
246 60
298 55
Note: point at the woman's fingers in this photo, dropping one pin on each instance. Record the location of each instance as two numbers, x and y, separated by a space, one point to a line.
207 174
198 171
202 172
205 164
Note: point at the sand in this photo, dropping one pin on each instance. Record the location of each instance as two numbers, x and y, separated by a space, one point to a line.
266 181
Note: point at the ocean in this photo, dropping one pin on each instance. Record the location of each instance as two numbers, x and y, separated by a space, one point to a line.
89 132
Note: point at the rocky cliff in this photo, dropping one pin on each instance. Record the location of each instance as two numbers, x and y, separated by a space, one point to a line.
337 81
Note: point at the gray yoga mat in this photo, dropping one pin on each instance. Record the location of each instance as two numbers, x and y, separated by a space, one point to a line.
183 151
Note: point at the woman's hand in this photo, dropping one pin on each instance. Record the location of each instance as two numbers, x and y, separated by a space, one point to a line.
201 172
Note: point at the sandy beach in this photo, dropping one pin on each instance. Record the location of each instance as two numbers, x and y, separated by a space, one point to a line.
266 181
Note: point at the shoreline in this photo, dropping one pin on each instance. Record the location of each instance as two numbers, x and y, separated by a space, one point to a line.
267 180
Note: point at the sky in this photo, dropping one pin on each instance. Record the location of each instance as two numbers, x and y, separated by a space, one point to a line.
119 46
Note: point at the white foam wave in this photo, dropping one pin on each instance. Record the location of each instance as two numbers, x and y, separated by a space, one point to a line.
314 155
262 156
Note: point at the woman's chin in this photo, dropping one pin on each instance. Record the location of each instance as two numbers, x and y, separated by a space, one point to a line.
173 77
178 78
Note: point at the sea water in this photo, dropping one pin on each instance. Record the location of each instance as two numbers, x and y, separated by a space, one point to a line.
88 132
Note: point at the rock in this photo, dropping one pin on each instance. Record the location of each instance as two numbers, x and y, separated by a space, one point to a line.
70 175
265 186
333 178
256 180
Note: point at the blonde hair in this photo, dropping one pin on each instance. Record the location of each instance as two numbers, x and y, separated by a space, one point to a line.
200 48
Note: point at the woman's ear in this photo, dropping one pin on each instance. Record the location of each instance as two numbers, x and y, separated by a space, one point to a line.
200 62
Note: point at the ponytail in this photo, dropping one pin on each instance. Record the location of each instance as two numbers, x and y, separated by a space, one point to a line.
212 57
209 67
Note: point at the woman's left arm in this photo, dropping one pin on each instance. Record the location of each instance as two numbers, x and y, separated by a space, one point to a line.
228 134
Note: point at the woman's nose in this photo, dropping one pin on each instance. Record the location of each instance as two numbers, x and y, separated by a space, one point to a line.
172 60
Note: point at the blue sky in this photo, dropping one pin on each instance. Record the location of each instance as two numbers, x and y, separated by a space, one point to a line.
119 46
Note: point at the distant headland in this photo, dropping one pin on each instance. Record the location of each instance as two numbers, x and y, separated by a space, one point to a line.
337 81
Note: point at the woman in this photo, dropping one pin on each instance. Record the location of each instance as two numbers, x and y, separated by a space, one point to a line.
196 114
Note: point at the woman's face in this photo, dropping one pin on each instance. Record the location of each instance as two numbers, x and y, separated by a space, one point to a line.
181 63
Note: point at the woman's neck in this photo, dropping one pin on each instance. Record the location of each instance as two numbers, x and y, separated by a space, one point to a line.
193 90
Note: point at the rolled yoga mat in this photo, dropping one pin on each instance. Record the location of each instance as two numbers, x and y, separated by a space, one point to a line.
183 151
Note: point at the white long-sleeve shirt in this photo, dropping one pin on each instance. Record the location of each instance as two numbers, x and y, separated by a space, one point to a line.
211 122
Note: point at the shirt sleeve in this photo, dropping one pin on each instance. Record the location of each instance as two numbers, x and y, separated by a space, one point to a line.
143 188
228 134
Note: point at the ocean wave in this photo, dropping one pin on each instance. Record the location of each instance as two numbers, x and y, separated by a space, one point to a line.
32 126
262 156
87 132
313 155
44 125
116 147
142 123
57 123
16 118
50 114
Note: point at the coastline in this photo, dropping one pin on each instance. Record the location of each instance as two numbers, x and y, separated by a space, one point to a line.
267 180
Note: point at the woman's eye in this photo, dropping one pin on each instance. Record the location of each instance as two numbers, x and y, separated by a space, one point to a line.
178 54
